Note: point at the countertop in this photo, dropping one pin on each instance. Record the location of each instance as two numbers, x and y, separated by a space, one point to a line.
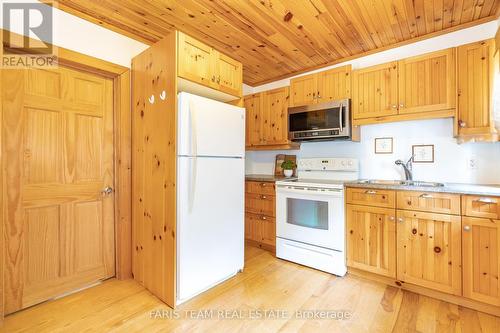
458 188
265 178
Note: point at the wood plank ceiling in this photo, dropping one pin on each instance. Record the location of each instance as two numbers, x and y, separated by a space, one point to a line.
276 38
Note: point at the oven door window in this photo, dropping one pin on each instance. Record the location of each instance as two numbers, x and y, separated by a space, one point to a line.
307 213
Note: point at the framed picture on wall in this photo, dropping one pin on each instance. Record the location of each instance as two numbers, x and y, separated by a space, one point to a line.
423 153
383 145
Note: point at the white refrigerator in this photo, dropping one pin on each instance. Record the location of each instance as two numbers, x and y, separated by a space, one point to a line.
210 193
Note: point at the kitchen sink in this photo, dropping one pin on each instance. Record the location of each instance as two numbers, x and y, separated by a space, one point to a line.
415 183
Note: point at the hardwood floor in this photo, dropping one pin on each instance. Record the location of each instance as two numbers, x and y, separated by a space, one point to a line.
267 283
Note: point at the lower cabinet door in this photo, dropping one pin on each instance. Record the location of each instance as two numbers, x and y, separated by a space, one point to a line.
481 259
429 250
268 230
371 239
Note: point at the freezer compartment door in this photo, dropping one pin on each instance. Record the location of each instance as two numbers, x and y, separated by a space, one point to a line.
209 128
210 222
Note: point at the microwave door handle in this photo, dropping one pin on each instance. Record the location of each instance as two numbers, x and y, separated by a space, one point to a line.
341 117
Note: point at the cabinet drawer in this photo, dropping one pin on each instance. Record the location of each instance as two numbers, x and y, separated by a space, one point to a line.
481 206
260 187
371 197
260 204
429 202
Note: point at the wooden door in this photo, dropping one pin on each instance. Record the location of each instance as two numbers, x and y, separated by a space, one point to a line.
429 250
253 106
375 91
251 226
195 61
275 116
334 84
475 88
229 74
427 82
303 90
481 259
268 230
58 141
371 239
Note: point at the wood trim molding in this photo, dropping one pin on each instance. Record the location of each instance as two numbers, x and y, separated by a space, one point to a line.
380 49
122 146
405 117
123 176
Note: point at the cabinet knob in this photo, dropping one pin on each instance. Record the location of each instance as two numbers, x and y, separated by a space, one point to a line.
263 184
400 219
461 123
401 105
394 106
371 192
263 218
466 227
319 96
213 78
263 197
218 79
391 218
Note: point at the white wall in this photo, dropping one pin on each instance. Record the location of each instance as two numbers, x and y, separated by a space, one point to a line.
76 34
451 159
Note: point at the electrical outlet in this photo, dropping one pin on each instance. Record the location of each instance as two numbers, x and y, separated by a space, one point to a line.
472 163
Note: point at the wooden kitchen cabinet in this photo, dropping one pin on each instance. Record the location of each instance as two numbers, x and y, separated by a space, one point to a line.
429 250
427 82
303 90
260 214
275 116
371 197
375 91
333 84
476 74
371 239
444 203
267 120
481 259
199 63
254 119
481 206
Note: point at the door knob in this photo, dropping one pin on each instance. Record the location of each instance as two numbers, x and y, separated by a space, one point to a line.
107 190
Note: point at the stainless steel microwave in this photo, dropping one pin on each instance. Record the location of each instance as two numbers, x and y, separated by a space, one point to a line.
320 122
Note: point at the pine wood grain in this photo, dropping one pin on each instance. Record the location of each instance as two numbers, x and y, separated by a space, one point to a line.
275 39
266 283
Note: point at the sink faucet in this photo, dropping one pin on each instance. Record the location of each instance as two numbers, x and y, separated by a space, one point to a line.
407 167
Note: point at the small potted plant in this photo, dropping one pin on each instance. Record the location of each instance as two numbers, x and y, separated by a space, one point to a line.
288 167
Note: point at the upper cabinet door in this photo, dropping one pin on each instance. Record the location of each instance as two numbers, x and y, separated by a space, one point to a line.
375 91
275 116
334 84
253 106
427 82
195 61
303 90
228 74
475 84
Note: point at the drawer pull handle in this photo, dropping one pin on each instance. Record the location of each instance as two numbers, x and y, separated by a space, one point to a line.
486 200
426 196
263 197
437 249
466 227
263 184
263 218
371 192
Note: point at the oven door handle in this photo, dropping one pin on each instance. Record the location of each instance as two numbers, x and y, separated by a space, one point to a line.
283 189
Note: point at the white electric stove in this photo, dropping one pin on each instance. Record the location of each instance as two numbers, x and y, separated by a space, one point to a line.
310 227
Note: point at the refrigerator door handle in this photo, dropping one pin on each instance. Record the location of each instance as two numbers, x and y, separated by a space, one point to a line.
192 182
193 129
